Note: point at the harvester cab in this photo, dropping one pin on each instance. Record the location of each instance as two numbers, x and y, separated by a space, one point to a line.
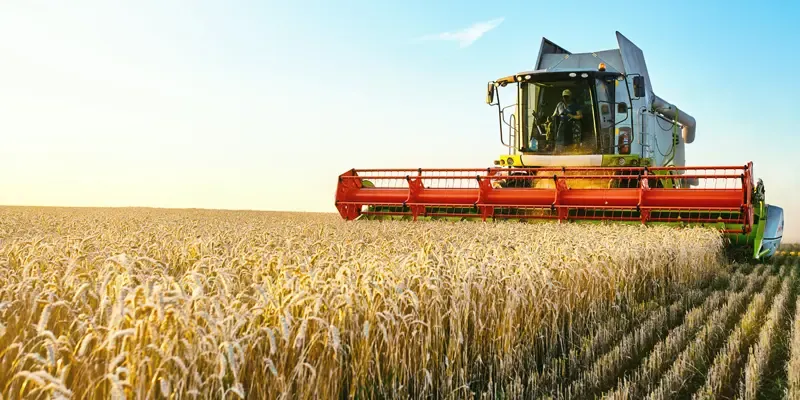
587 141
621 122
562 113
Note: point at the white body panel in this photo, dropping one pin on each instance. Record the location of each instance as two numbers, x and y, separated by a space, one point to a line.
592 160
773 230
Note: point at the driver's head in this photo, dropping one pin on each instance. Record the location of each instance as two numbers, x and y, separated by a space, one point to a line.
566 95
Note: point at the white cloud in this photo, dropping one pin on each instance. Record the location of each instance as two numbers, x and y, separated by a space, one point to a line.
467 36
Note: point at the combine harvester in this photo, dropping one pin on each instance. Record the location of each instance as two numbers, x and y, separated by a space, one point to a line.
611 151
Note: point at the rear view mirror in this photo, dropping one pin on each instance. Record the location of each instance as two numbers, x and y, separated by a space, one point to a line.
490 93
622 108
638 86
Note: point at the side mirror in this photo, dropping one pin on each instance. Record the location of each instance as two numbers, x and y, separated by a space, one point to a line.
638 86
490 93
622 108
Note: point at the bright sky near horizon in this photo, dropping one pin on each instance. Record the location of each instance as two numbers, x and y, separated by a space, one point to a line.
260 105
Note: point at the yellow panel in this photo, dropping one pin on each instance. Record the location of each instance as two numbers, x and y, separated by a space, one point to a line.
503 160
506 80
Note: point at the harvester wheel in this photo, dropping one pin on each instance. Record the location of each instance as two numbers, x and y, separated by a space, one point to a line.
517 183
655 183
632 183
625 182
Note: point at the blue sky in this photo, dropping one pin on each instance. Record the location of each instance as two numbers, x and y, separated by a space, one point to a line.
260 105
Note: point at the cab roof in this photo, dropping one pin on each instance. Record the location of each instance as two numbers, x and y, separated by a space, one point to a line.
545 75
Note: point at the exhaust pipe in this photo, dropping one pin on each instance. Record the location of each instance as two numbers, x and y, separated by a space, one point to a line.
688 124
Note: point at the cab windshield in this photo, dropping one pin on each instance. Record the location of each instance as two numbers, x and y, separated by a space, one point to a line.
558 116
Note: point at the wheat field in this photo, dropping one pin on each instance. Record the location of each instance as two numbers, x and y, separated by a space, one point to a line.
150 303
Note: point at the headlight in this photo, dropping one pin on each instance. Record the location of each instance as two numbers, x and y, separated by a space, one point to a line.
510 161
621 161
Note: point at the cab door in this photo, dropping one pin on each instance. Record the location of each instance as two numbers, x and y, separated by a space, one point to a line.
606 112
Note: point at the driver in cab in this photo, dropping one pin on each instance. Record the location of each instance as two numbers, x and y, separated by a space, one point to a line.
568 106
568 112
